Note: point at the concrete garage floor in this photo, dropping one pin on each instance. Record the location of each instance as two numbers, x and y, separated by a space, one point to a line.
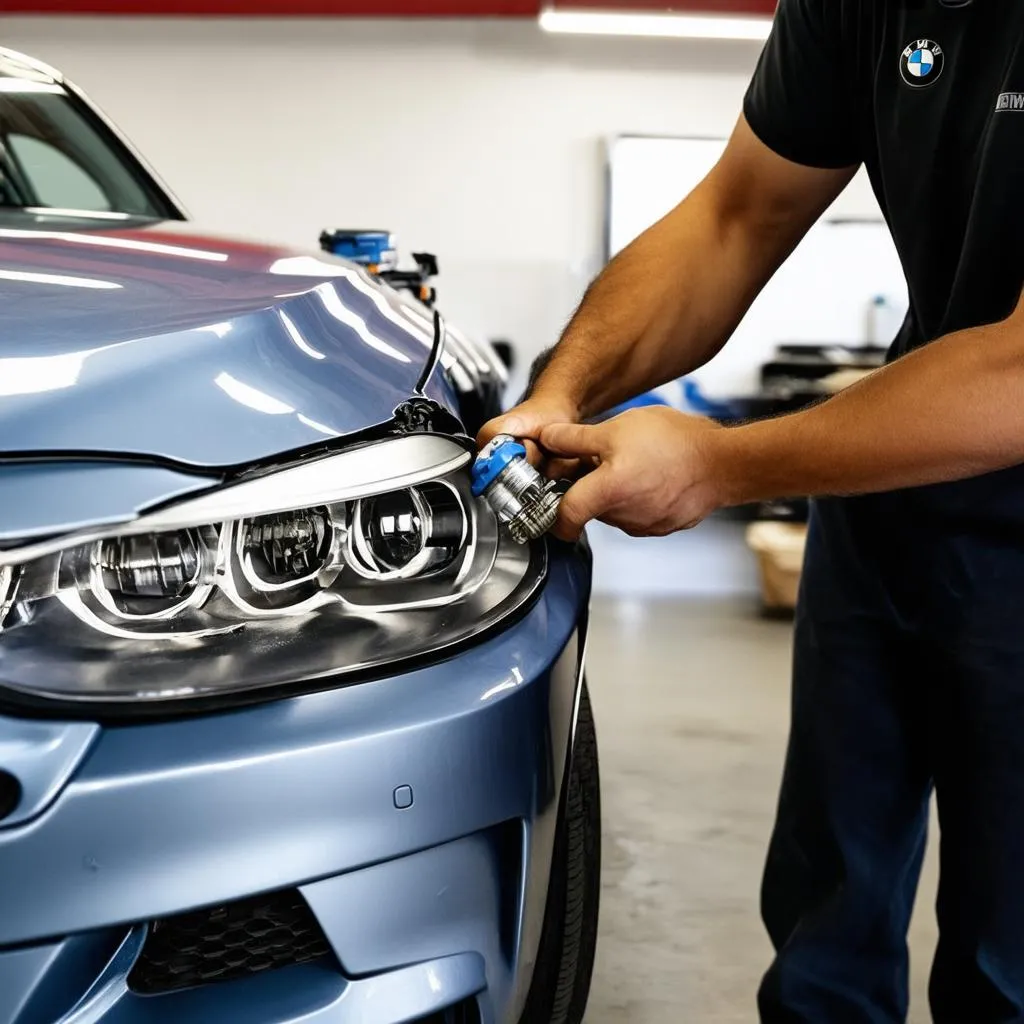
691 702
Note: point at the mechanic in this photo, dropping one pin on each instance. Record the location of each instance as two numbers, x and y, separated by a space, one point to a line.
909 660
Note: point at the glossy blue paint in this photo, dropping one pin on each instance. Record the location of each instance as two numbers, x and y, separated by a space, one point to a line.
418 908
301 792
309 994
45 498
24 975
39 984
111 984
213 352
42 756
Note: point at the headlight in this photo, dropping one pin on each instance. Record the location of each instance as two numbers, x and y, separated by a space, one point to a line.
328 567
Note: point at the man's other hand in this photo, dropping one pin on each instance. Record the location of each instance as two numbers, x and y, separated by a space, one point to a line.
653 472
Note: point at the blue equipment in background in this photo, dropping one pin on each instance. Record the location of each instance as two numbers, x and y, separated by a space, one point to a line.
686 396
374 250
377 251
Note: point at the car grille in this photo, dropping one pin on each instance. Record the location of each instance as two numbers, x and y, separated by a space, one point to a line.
465 1013
229 941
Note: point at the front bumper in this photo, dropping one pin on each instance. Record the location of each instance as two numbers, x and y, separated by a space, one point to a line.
424 906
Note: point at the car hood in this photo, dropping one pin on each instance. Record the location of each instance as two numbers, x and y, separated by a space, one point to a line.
165 343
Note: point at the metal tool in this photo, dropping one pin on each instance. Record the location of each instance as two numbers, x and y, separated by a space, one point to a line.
521 498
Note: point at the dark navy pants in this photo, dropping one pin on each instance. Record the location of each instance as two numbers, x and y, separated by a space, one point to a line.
908 676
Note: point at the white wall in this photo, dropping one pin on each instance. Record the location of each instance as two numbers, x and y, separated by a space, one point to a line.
481 141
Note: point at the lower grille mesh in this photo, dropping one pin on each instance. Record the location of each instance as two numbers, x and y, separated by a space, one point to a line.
465 1013
230 941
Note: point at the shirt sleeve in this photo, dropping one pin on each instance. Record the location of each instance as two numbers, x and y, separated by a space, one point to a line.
799 101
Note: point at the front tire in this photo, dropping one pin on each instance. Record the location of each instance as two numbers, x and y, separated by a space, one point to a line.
565 959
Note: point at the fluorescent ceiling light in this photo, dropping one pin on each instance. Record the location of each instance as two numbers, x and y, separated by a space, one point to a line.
669 26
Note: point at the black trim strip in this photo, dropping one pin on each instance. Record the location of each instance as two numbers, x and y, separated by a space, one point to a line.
435 353
378 431
220 474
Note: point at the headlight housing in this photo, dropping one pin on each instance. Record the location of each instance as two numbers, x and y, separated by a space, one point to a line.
323 569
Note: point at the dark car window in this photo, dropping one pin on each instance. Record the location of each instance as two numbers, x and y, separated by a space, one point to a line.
55 154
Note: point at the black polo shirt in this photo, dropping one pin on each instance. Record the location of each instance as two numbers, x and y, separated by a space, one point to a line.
931 99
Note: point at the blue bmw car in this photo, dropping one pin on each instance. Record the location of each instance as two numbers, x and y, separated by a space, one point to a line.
290 728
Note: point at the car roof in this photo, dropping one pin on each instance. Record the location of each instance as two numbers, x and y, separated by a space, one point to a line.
19 65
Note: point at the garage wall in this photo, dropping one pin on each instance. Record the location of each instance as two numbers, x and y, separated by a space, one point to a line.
478 140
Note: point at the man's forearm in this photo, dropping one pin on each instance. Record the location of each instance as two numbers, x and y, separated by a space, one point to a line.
664 306
669 301
951 410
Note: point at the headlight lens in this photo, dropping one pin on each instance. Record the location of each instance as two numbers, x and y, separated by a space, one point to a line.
341 564
407 534
282 551
155 575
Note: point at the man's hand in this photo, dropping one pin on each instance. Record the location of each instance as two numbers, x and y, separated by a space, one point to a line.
654 474
530 417
526 421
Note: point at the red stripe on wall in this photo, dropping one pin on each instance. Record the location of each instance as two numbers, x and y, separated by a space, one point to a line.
373 8
280 8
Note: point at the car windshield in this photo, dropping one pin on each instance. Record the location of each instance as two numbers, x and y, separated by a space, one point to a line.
56 155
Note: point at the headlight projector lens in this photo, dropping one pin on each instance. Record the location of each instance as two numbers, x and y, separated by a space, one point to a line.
407 533
150 574
395 527
284 550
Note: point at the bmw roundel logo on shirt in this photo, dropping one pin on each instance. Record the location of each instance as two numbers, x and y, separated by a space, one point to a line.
921 63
